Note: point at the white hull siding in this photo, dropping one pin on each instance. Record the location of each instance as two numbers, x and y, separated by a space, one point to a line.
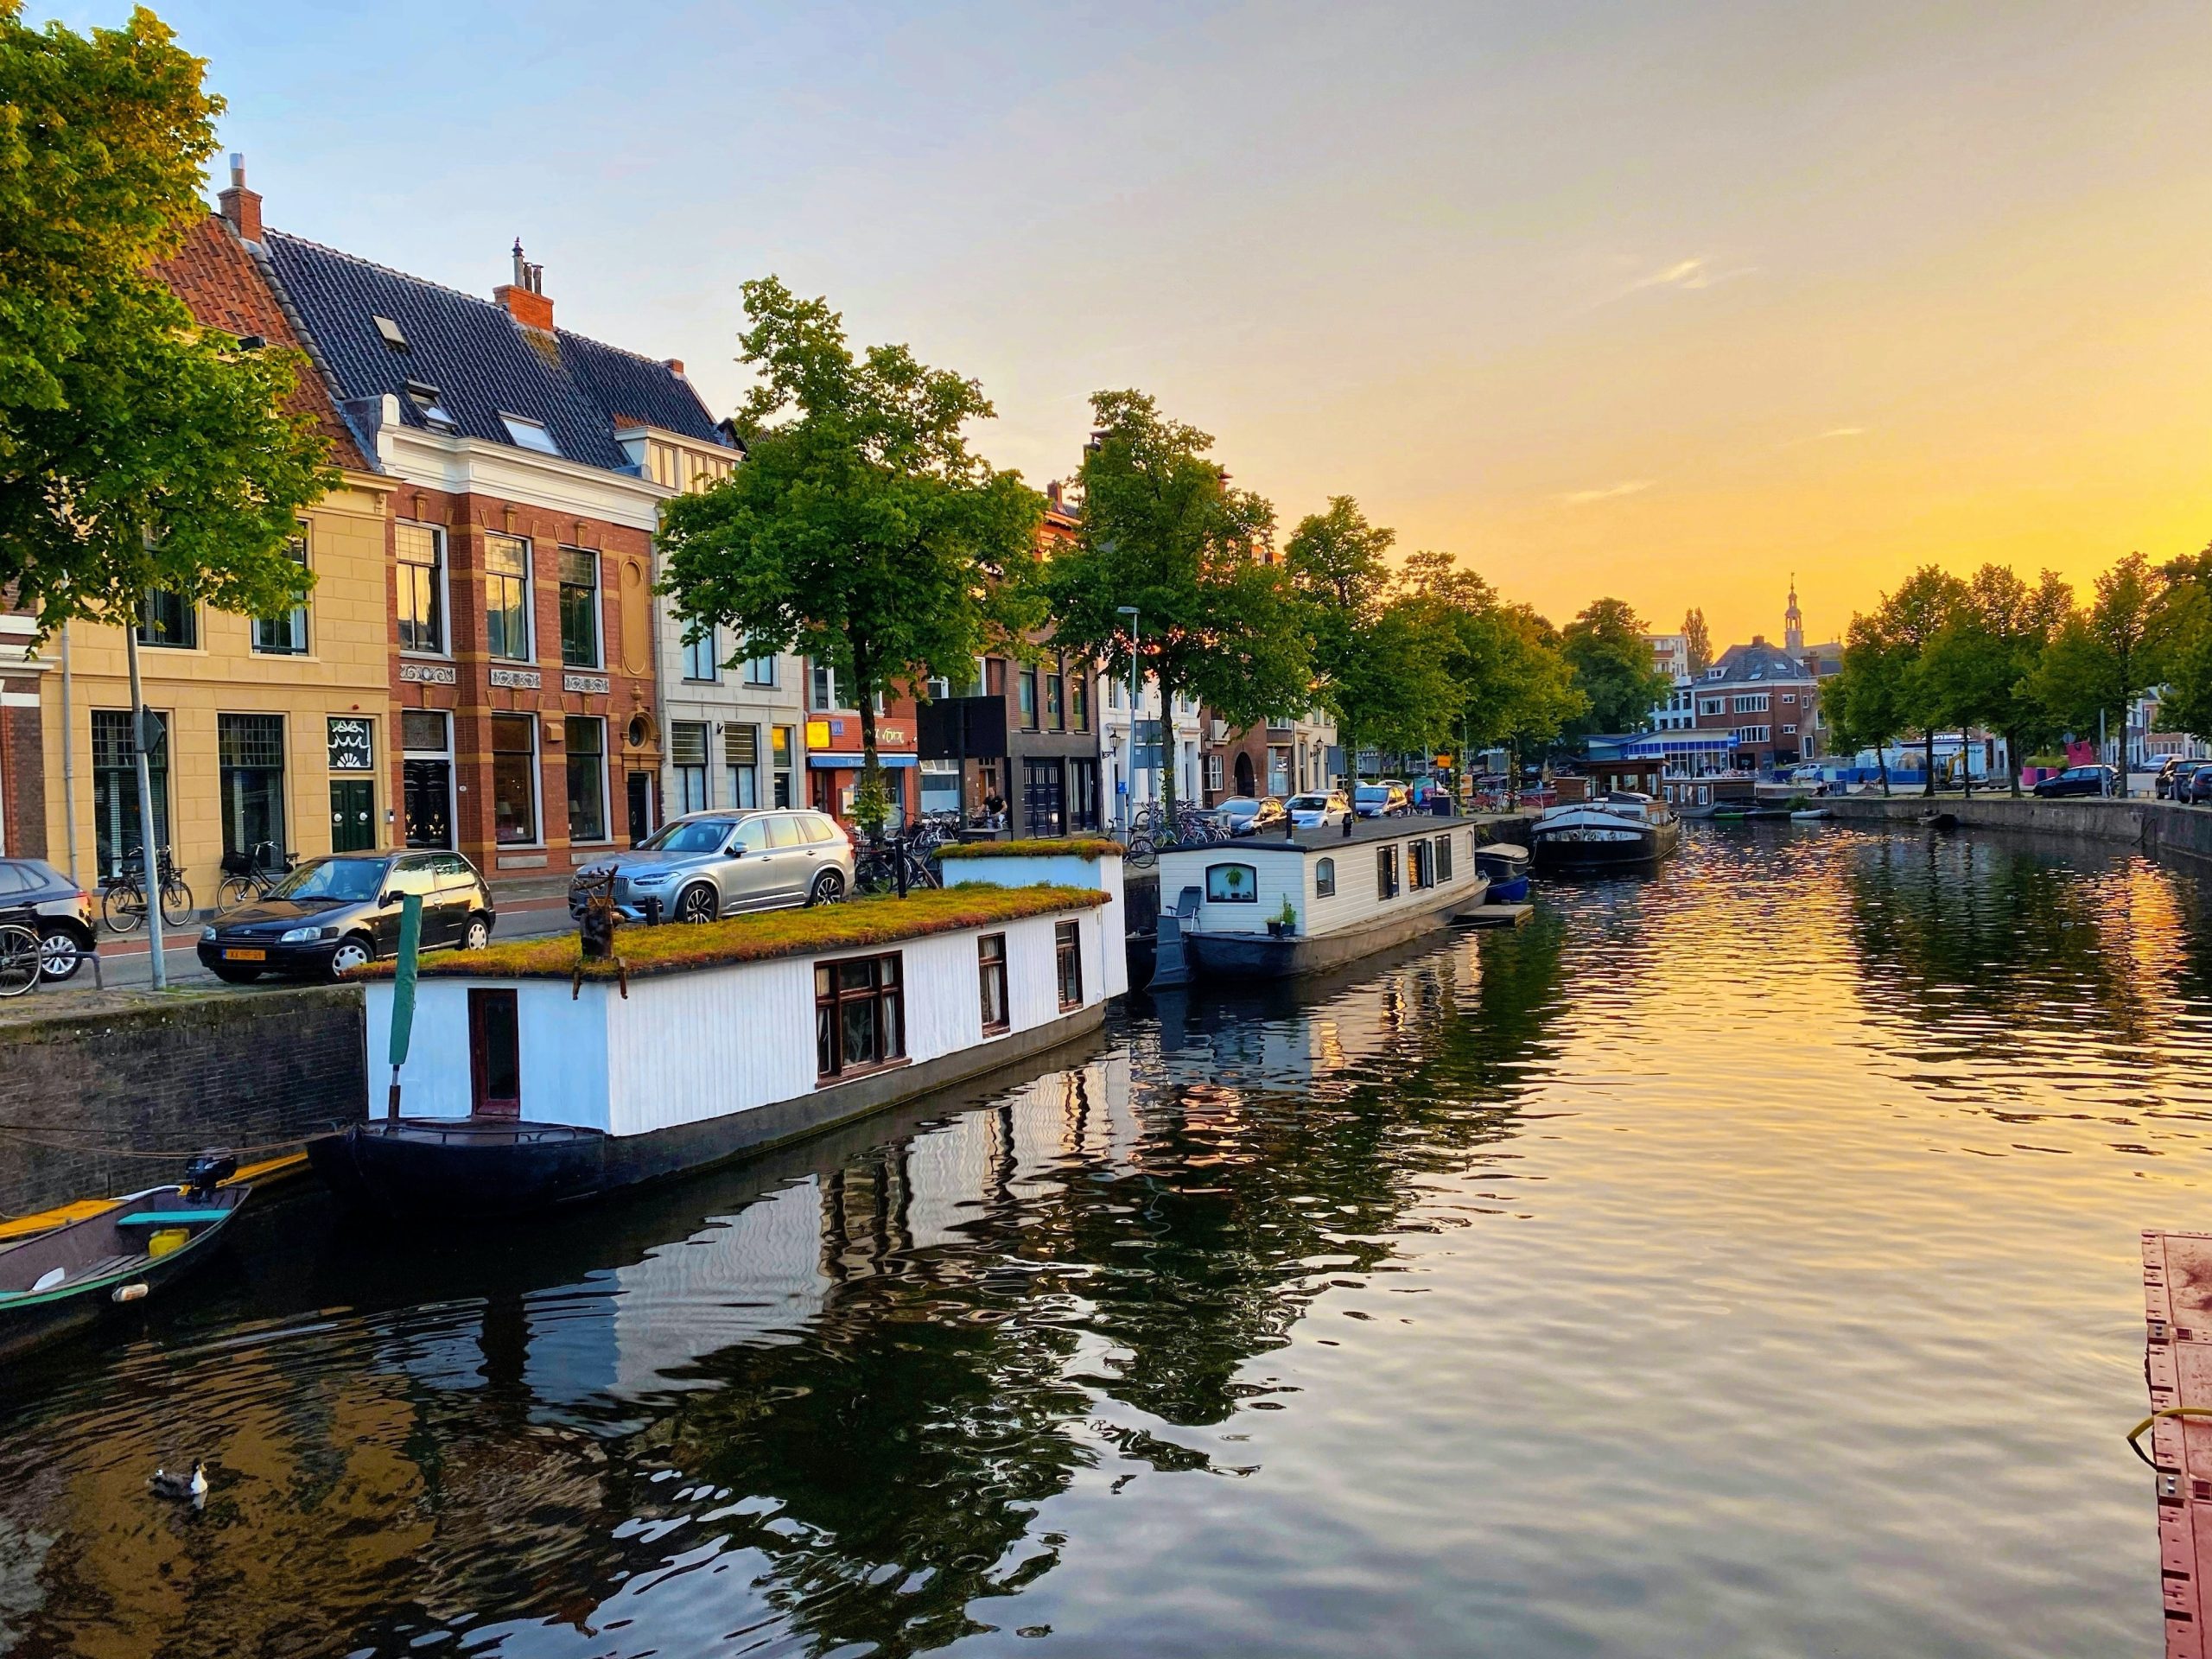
1102 874
1282 875
688 1047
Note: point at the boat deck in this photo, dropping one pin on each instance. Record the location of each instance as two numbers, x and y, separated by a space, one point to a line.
2177 1363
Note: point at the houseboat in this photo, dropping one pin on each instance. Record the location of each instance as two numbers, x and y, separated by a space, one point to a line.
1624 830
1270 906
527 1086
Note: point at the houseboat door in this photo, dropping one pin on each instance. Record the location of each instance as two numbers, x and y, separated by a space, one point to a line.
494 1054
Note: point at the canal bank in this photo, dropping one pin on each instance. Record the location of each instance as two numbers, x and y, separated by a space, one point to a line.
2155 827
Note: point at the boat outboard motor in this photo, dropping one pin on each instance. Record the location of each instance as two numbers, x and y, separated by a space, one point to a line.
204 1173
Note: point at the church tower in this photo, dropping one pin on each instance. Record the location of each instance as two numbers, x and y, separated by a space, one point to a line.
1793 623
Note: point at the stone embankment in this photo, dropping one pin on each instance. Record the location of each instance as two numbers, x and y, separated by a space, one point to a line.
117 1096
2157 827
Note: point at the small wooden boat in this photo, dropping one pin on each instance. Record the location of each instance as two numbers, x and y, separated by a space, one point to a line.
55 1283
1808 814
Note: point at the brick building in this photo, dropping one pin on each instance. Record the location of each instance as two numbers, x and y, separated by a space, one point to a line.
23 780
1766 699
523 660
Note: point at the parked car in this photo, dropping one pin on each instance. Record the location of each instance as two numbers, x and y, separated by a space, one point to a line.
65 929
1314 811
1380 800
2173 781
708 865
1242 815
2163 785
2193 783
333 914
2079 780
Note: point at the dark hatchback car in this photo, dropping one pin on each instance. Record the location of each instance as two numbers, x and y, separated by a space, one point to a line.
65 915
2080 780
333 914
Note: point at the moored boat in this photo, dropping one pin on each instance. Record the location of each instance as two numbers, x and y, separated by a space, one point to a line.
1507 867
67 1280
1624 830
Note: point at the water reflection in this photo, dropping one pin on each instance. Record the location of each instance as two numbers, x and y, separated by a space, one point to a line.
1483 1298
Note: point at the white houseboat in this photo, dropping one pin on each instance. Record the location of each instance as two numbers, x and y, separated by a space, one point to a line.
523 1089
1272 906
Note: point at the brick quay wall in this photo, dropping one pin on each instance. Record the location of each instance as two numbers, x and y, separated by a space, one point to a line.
84 1094
2157 827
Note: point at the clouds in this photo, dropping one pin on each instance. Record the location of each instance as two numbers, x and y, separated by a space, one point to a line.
1687 276
1611 493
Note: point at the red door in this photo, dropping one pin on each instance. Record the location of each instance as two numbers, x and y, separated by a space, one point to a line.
494 1054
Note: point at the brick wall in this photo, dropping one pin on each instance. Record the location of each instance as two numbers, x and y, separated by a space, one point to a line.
172 1077
23 782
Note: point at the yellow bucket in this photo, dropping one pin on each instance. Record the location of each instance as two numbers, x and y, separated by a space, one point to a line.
163 1240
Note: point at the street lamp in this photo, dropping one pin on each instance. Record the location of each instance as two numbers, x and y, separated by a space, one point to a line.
1129 807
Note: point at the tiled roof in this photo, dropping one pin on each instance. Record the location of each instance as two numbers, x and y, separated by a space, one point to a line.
482 363
1759 662
222 287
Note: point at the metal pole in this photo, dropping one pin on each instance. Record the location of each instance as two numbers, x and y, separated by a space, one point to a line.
149 859
69 758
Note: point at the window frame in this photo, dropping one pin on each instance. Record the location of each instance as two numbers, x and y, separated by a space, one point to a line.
992 970
1067 964
1250 873
565 588
440 593
1324 878
569 726
227 771
188 621
704 648
1387 884
521 611
687 774
889 1000
536 836
295 618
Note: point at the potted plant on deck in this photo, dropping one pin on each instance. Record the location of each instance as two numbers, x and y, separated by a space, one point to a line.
1282 926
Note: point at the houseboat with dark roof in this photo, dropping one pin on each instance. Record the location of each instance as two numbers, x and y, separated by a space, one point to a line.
1270 907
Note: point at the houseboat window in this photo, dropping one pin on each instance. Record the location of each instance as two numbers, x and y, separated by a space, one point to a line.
1325 879
859 1017
1417 868
1443 858
1067 940
494 1054
990 956
1386 872
1232 884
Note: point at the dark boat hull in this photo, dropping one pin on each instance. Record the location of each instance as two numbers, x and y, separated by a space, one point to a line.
1559 855
1260 956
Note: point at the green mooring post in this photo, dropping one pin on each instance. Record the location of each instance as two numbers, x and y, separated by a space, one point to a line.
403 992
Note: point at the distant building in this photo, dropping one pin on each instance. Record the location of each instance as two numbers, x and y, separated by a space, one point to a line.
1766 699
1670 654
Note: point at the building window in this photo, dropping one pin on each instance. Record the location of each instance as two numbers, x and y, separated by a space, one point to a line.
1791 697
514 780
526 433
687 754
761 671
421 550
1324 878
1232 884
1067 949
166 618
1790 731
741 754
115 786
990 956
1710 705
285 635
1215 774
702 655
822 690
1043 804
1029 699
1386 872
1056 713
506 597
1751 703
859 1015
250 753
579 608
1443 858
587 745
780 748
1113 693
994 676
1079 702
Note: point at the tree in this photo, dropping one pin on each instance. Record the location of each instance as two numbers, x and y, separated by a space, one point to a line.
1699 639
1613 670
1864 703
1513 687
1164 532
1378 657
2103 659
1976 668
862 530
1907 621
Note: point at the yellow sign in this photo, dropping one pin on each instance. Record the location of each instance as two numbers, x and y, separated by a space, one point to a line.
817 734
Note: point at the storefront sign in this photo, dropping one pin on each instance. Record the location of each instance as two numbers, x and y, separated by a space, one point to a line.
519 679
599 683
890 734
352 743
428 674
817 734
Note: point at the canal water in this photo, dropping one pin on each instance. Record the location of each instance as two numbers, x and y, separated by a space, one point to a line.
1740 1261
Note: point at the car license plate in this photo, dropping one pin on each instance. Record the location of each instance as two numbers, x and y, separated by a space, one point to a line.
245 955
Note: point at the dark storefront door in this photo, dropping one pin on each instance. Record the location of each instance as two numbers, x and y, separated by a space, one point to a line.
1044 802
641 806
353 815
429 803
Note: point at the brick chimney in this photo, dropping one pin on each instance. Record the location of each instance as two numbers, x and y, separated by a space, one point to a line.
525 297
240 206
674 364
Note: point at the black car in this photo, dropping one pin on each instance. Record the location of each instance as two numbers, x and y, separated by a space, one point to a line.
2193 783
64 914
2080 780
331 914
2163 785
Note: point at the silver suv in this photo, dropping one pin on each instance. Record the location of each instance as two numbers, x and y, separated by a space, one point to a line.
708 865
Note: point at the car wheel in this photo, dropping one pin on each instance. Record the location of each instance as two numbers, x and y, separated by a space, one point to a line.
353 952
697 902
829 888
476 935
60 953
232 974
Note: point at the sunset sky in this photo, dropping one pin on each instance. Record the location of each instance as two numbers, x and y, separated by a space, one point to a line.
1661 301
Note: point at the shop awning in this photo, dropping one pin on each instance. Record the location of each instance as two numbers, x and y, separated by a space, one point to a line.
834 760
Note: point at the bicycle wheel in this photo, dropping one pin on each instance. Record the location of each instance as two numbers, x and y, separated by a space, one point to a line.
21 963
1141 851
921 873
872 873
176 902
232 892
123 908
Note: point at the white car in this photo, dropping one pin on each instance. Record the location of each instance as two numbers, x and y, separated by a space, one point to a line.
1316 811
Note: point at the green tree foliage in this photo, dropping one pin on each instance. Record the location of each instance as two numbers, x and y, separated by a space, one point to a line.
1162 531
1699 637
1378 654
1613 670
1975 670
2102 659
1864 704
1907 622
1513 687
861 529
137 451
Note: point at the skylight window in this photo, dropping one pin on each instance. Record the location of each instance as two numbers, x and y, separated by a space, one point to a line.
390 330
426 398
529 435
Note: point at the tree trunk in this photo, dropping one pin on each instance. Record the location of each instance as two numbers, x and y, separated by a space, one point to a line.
1882 764
1929 787
866 802
2012 762
1966 764
1168 755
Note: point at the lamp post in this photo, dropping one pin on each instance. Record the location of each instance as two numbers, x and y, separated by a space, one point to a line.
1130 611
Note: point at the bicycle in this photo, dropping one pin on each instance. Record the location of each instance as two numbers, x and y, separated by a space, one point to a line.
122 895
249 877
894 864
23 958
1152 832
